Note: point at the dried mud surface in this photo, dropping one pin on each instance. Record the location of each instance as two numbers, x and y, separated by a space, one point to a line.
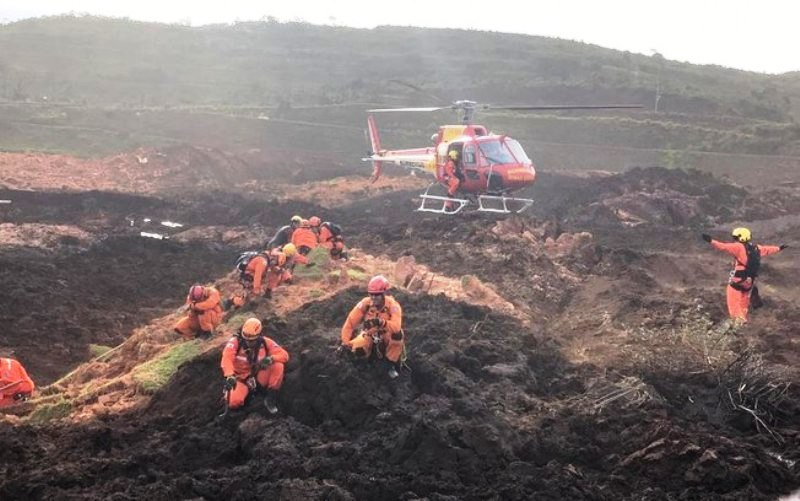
495 406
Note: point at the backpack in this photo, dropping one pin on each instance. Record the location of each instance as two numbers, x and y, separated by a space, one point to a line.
750 270
753 260
243 260
334 228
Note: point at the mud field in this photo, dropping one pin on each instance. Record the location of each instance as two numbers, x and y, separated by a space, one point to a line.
612 374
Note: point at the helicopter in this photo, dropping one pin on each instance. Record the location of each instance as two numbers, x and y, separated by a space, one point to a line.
490 167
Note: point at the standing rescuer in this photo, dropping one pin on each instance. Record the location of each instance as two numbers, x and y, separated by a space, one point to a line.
15 384
204 312
381 320
251 360
451 176
746 263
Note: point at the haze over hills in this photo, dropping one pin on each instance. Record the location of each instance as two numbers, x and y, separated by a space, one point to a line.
231 73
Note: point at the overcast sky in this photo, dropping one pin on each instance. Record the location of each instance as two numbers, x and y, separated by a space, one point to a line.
751 35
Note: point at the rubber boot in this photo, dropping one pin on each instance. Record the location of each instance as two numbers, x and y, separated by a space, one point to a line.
270 402
204 334
227 304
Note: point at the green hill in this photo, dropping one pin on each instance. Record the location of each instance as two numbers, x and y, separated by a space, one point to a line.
96 85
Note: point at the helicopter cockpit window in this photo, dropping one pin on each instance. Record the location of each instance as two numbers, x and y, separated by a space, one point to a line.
469 154
517 151
496 152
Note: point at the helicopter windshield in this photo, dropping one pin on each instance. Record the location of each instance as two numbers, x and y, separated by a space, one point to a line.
496 152
517 150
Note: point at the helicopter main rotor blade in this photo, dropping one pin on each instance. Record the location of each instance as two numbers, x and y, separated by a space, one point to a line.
433 108
566 107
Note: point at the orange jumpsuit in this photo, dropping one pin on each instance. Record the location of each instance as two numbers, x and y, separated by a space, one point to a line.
305 240
13 380
738 300
244 364
390 336
278 269
335 243
255 272
204 315
452 179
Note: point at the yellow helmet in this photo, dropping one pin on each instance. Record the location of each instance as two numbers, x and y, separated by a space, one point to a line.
297 219
251 328
453 154
741 234
289 250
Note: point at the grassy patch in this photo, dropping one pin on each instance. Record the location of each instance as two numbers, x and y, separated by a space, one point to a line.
356 275
48 412
319 259
97 350
315 293
154 374
335 273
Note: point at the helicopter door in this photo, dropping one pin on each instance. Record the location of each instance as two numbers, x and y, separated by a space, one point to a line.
470 164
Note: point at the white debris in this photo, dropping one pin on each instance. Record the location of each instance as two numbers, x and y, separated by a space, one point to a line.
157 236
170 224
5 201
147 220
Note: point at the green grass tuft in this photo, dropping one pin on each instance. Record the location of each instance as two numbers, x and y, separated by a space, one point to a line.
97 350
154 374
356 275
320 258
48 412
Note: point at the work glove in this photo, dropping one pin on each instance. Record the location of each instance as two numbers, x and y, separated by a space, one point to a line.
784 246
230 382
266 361
706 237
21 397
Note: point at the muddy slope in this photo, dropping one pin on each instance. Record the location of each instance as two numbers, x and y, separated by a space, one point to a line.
482 415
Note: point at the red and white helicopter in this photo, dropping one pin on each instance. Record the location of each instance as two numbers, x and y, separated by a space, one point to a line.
491 167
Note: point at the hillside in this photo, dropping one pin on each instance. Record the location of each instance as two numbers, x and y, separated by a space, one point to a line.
114 85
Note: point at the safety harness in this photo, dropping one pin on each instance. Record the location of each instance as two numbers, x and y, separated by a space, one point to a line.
377 338
750 271
242 261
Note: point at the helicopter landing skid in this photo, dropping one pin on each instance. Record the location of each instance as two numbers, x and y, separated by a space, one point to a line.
441 205
492 199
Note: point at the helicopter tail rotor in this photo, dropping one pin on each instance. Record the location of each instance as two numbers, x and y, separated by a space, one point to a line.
375 144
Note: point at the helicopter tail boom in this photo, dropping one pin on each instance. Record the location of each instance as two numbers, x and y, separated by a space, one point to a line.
375 144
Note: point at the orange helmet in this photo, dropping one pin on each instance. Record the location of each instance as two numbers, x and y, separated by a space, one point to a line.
251 328
196 292
378 285
314 221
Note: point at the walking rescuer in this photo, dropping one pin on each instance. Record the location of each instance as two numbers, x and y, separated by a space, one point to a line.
746 263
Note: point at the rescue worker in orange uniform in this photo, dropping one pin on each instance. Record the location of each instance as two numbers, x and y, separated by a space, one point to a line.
305 240
15 384
255 271
452 176
330 237
251 277
284 234
280 265
380 319
251 360
204 313
746 261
